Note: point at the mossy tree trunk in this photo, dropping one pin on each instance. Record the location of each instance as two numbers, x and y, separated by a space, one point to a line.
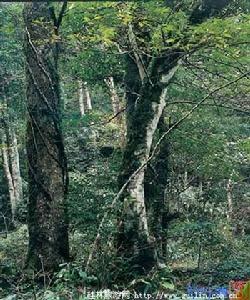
145 100
47 169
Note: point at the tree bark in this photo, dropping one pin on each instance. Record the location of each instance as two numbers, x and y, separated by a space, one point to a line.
144 111
155 190
47 166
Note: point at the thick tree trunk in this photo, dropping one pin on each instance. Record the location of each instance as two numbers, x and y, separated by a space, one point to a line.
134 239
155 190
47 223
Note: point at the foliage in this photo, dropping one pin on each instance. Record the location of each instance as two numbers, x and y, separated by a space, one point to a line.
206 151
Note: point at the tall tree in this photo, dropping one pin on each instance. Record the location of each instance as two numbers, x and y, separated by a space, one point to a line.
47 167
148 76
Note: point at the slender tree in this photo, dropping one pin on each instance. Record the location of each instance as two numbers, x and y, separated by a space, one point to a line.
8 175
87 98
47 168
10 156
115 101
85 103
5 205
15 166
81 98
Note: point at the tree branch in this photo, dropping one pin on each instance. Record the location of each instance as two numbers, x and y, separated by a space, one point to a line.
61 14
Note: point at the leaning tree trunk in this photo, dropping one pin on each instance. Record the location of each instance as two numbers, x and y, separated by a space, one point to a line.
135 241
47 170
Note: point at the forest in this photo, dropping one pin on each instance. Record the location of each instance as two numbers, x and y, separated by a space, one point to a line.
125 150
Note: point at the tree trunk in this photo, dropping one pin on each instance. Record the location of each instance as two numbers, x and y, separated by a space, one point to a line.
47 168
7 172
146 81
15 168
114 98
81 98
85 103
134 238
5 206
155 190
229 200
10 157
87 98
